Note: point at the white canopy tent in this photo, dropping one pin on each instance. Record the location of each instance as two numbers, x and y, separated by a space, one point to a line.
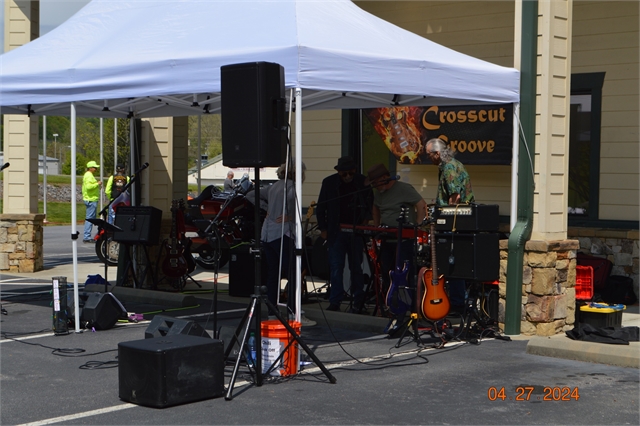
161 58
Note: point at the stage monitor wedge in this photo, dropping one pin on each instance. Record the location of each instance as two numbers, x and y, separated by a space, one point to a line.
254 132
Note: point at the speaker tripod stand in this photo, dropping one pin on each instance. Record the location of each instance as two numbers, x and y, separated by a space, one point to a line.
255 308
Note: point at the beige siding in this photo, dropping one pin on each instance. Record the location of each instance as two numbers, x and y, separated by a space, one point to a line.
321 148
606 39
483 29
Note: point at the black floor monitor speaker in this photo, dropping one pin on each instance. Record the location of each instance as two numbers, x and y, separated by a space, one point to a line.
170 370
468 256
253 110
139 224
102 310
161 326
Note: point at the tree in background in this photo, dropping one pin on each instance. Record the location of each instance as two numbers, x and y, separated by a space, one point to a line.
87 142
211 137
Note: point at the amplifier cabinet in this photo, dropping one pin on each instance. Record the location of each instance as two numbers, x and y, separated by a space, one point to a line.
467 218
139 224
170 370
473 257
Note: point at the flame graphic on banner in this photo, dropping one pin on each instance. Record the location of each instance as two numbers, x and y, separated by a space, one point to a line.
399 129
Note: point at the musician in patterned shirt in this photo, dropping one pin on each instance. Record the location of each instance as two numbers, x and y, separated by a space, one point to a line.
454 187
454 184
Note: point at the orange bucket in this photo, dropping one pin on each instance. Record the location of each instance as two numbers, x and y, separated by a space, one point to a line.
275 338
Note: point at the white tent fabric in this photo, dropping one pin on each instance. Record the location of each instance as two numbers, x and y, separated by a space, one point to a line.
157 58
163 58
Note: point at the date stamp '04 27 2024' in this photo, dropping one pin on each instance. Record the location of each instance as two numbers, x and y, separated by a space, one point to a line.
526 393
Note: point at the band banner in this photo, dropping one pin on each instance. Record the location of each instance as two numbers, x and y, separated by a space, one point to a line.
480 134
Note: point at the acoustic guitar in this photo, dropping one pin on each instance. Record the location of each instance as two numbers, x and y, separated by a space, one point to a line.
174 265
435 302
398 298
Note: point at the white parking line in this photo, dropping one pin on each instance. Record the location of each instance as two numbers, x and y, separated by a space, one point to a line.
80 415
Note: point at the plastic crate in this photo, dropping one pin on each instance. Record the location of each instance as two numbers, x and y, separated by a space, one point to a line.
584 282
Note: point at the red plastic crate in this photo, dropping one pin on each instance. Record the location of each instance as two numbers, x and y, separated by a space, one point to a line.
584 282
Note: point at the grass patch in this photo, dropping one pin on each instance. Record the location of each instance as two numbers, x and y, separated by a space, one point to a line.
59 213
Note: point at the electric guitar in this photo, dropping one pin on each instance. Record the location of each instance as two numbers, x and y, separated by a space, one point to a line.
435 302
398 298
174 265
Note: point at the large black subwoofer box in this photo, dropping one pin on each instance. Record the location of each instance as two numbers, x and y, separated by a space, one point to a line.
468 256
170 370
139 224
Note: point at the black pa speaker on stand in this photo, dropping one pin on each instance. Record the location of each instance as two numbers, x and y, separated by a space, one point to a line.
253 107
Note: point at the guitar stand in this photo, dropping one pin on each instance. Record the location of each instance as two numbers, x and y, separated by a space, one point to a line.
410 326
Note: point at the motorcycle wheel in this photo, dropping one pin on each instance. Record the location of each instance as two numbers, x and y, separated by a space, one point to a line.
206 257
107 250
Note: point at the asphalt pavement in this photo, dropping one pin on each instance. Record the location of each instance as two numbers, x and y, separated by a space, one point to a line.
73 378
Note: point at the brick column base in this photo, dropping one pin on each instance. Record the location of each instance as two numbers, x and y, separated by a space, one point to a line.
548 287
21 239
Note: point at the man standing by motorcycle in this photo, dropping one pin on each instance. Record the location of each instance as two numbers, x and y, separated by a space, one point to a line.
115 186
90 196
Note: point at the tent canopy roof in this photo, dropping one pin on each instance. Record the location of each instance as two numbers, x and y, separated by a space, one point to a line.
163 58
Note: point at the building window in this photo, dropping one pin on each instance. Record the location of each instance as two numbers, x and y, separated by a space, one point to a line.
584 147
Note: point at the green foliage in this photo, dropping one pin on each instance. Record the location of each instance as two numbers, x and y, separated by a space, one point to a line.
81 165
59 213
210 137
87 142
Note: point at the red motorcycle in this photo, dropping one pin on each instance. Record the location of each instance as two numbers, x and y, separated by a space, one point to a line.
106 248
217 221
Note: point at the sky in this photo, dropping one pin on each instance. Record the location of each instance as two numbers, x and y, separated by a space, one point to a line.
52 14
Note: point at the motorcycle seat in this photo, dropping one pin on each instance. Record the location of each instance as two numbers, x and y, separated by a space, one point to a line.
206 194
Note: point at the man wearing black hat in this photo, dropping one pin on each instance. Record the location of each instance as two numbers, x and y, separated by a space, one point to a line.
344 199
390 196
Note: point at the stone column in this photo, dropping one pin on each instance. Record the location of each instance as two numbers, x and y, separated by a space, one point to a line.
548 288
20 225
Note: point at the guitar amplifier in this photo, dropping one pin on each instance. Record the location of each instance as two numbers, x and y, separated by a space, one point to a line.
467 218
139 224
468 256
